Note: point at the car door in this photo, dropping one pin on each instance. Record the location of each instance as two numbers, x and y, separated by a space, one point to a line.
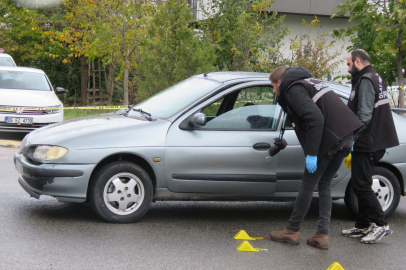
229 154
291 164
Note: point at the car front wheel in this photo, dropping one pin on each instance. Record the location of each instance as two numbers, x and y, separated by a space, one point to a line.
121 192
386 188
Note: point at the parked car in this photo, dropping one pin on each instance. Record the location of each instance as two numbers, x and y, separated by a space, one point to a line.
5 59
205 138
25 95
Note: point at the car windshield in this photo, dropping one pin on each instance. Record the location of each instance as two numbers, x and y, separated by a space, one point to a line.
6 61
177 97
23 80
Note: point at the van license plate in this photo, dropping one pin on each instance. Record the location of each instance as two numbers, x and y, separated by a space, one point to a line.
19 120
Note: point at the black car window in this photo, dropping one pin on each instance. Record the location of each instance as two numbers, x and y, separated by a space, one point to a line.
247 109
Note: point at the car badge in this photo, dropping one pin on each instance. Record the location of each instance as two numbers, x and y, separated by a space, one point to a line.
19 111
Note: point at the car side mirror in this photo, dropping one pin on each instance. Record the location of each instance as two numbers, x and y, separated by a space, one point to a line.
60 90
199 119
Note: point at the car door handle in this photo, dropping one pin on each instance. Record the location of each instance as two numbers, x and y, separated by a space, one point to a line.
261 146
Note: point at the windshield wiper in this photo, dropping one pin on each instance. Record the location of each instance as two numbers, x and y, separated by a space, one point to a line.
144 113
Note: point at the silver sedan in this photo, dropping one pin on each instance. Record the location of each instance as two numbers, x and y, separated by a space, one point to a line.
205 138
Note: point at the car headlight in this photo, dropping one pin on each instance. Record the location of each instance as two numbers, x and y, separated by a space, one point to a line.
48 152
56 110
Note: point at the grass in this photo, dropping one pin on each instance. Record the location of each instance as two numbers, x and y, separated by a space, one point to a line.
71 114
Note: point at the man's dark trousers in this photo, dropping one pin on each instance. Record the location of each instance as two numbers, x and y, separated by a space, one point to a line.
327 167
363 165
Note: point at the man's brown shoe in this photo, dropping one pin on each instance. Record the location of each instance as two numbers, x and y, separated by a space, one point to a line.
290 236
319 241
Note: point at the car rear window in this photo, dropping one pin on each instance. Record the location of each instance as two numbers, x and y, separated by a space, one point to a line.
23 80
6 61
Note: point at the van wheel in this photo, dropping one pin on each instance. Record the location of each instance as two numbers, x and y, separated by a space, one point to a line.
120 192
386 187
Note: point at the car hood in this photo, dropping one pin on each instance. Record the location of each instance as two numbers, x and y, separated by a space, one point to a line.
28 98
101 131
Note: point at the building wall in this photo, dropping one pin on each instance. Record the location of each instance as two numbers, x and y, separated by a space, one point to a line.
294 23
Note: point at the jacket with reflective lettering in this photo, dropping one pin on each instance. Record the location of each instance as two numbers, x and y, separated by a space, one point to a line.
339 120
378 132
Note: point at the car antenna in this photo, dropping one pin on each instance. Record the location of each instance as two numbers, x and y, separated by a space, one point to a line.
205 74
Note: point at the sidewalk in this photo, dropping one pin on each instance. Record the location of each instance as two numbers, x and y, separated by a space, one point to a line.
9 144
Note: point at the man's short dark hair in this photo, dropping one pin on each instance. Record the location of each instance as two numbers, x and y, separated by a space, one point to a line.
277 74
362 55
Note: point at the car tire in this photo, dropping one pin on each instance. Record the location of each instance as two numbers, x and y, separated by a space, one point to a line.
385 185
121 192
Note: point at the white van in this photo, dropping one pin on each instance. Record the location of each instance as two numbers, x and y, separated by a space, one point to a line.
25 95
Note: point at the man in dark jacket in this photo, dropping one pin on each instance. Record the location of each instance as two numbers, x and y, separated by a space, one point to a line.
370 103
324 126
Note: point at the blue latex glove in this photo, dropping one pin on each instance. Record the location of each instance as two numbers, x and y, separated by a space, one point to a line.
311 163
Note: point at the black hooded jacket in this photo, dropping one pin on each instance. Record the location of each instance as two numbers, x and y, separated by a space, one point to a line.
320 118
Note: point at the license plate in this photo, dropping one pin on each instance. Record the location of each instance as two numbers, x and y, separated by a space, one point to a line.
19 120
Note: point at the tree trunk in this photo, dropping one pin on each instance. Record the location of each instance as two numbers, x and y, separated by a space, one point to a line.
110 83
399 55
401 81
126 86
83 80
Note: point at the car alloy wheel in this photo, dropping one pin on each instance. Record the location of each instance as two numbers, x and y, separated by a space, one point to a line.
120 192
123 193
383 190
386 188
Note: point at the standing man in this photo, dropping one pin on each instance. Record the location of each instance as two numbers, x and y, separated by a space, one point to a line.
370 103
324 126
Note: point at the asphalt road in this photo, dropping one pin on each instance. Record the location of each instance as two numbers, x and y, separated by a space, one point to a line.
46 234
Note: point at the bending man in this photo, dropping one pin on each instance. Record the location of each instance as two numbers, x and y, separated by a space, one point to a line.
324 126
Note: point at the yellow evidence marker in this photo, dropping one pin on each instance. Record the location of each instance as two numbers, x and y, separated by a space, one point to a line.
242 235
347 161
335 266
246 246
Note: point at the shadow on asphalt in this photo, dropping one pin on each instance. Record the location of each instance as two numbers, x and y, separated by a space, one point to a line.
47 209
14 136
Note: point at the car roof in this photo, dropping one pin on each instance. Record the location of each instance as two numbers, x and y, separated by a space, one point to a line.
4 55
27 69
224 76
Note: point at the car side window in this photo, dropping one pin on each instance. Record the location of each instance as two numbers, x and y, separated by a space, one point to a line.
247 109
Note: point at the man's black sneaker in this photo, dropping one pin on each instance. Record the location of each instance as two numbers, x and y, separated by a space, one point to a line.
376 233
387 231
355 232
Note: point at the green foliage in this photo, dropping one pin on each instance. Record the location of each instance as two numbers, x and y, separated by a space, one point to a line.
24 35
244 33
71 114
171 50
316 54
380 31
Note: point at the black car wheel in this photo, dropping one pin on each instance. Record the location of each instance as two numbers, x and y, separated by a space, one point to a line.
121 192
386 187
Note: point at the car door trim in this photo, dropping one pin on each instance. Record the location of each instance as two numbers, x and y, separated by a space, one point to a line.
289 176
261 178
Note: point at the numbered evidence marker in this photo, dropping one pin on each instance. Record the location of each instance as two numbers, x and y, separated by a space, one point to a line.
242 235
335 266
246 246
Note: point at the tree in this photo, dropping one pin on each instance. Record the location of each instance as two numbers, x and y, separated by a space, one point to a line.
315 54
381 31
25 35
244 33
171 49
